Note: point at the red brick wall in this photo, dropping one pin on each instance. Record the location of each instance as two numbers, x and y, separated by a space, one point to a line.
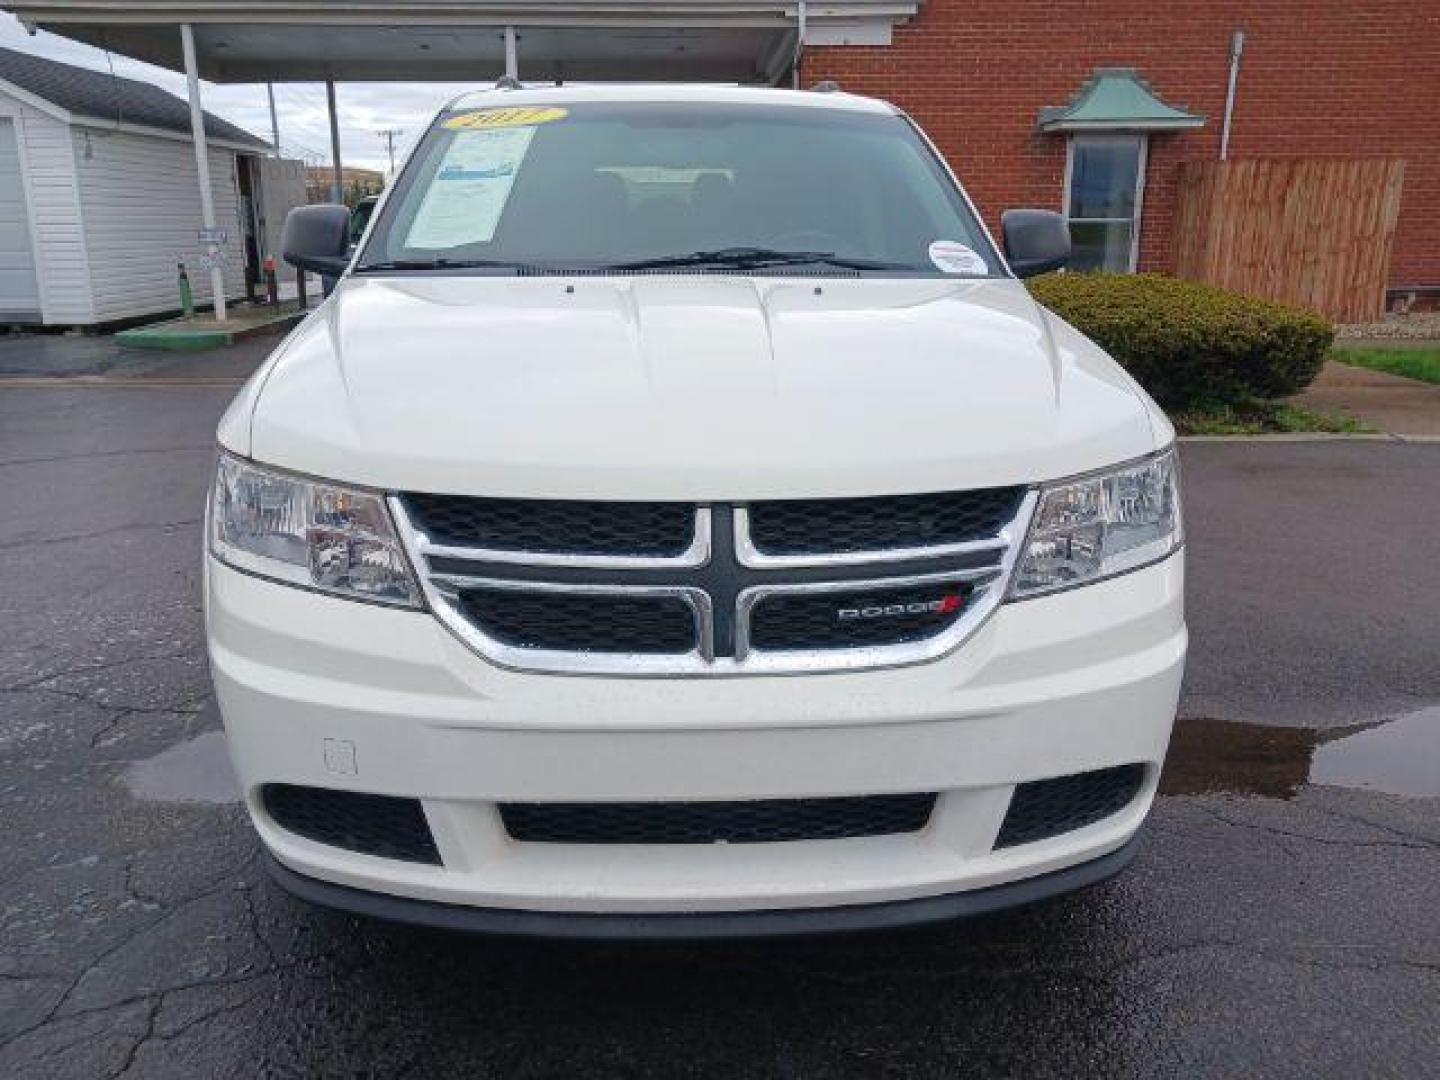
1328 78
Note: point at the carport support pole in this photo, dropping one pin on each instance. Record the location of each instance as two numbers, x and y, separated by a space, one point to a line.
337 183
512 60
202 160
274 117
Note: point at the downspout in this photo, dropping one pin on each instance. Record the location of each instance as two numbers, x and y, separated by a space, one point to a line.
1237 48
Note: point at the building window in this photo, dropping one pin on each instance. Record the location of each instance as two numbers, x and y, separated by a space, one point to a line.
1104 183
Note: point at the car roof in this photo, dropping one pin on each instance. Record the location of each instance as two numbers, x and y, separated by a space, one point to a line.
670 92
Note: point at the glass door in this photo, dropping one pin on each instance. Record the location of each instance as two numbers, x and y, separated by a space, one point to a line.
1104 181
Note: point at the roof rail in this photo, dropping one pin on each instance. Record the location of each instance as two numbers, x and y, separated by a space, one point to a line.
825 86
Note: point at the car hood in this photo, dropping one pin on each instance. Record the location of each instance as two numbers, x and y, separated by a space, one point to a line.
687 387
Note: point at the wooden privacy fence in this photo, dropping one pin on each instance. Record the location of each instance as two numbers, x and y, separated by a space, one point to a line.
1302 231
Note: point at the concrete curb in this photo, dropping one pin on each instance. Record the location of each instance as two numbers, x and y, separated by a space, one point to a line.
1312 436
111 382
174 337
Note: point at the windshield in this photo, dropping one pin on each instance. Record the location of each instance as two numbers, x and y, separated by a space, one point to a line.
630 186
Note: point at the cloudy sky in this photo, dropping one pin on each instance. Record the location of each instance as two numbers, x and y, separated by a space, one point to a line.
364 108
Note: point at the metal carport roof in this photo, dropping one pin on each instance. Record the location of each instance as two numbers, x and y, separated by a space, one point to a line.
417 40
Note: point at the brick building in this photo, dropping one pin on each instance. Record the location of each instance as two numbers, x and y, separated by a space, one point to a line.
1325 78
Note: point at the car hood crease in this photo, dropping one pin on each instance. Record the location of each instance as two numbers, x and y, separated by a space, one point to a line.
697 386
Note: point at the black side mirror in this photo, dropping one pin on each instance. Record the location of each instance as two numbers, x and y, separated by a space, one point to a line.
1036 241
316 238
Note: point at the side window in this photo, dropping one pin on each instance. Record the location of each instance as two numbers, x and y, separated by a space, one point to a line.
1104 181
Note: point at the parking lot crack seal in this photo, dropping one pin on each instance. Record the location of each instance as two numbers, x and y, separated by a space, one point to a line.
190 706
249 901
1359 819
90 669
145 1036
89 454
1411 842
211 1014
57 1010
144 526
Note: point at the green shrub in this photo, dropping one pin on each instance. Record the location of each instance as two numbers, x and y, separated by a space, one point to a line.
1188 344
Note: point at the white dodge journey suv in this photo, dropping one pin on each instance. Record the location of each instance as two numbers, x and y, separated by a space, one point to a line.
681 521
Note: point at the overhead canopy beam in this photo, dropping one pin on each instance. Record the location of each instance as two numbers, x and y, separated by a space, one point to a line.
419 40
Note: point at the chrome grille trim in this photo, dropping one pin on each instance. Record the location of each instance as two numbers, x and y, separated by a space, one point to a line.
984 597
697 554
449 586
990 564
750 555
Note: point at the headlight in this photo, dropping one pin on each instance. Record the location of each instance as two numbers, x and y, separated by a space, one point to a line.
305 532
1101 525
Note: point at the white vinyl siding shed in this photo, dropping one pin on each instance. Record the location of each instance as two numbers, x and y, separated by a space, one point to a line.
141 208
112 208
52 204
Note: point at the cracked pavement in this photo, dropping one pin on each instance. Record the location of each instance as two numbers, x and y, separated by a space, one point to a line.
1269 927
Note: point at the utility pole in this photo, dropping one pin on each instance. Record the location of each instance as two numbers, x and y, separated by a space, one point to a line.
390 135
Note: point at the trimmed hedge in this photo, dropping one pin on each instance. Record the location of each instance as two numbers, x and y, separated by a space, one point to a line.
1191 345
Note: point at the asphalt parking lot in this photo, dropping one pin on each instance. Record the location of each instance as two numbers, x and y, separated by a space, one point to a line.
1280 920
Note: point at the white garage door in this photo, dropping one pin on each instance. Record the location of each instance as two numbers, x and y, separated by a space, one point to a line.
19 295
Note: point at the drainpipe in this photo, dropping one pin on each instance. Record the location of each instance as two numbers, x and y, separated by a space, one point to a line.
1237 47
202 161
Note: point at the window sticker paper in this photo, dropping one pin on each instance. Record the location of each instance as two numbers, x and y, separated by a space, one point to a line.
471 188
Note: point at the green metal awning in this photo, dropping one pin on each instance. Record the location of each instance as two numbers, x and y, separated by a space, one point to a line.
1117 99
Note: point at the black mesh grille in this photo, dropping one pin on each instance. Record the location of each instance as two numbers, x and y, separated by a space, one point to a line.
1044 808
855 620
755 822
808 526
655 529
381 825
579 622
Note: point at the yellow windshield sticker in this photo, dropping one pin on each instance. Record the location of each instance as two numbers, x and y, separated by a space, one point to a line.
482 119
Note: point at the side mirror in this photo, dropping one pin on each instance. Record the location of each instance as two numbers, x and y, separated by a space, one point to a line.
1036 241
316 238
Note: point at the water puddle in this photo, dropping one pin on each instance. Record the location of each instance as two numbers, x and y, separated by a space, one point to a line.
1399 756
195 771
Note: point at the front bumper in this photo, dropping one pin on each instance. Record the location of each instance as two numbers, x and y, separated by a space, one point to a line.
703 925
330 693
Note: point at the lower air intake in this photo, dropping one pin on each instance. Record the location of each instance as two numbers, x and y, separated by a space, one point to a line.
1044 808
382 825
760 821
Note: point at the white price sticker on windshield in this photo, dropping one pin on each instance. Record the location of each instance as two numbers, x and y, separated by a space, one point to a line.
470 189
953 257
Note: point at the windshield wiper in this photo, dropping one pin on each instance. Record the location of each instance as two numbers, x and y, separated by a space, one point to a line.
755 258
439 264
